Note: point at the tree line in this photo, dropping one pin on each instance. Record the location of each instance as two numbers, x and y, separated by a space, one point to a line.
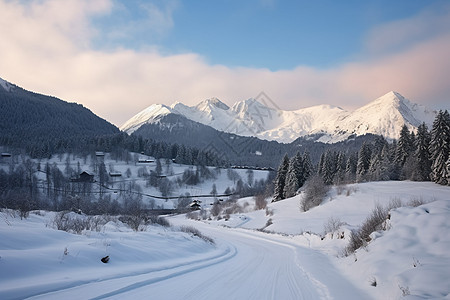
418 156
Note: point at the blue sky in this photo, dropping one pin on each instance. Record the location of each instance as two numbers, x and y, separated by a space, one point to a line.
118 57
263 34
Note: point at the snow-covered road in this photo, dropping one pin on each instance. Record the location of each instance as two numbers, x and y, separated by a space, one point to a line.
246 265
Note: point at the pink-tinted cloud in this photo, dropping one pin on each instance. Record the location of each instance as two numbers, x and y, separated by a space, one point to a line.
48 51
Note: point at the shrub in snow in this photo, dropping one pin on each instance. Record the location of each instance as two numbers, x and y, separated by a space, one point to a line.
314 192
159 221
216 209
332 225
193 215
405 290
75 223
136 222
374 222
234 208
416 201
260 202
269 212
195 232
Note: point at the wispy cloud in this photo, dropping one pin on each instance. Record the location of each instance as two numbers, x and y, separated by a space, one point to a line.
45 46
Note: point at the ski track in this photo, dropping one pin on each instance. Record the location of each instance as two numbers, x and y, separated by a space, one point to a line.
251 265
69 287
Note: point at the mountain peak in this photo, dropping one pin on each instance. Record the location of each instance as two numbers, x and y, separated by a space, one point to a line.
384 116
212 102
391 97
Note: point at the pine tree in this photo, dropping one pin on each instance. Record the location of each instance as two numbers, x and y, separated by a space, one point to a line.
307 168
363 162
158 168
386 168
293 176
422 169
404 146
350 167
340 168
440 147
321 164
280 180
375 167
329 167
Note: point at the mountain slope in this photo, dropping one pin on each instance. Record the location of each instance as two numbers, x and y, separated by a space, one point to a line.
28 118
383 116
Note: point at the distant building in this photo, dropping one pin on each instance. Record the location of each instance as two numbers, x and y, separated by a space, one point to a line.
195 205
146 161
100 154
115 174
84 177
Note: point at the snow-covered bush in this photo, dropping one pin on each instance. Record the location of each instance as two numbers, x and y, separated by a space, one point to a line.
374 222
137 222
155 219
260 201
314 192
193 215
195 232
332 225
75 223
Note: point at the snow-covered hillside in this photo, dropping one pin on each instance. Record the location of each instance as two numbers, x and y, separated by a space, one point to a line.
292 258
385 116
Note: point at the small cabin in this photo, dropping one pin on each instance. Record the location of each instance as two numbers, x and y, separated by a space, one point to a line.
146 161
6 155
84 177
100 154
195 205
115 174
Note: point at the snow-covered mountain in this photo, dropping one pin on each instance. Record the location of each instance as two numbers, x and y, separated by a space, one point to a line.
385 116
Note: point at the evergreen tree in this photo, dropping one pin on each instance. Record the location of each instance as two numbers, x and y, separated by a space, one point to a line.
280 179
158 168
422 168
440 148
375 167
404 146
386 168
350 167
340 168
307 168
329 167
214 190
293 176
363 164
321 164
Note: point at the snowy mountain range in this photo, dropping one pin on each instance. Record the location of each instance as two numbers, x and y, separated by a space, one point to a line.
383 116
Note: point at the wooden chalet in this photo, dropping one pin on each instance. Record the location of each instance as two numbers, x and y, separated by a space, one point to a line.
84 177
115 174
195 205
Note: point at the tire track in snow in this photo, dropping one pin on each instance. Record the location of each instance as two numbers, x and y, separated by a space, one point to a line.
191 268
176 270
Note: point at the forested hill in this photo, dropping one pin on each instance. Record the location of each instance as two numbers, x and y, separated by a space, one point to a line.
28 119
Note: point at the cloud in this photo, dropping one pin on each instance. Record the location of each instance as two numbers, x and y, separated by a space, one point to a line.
48 50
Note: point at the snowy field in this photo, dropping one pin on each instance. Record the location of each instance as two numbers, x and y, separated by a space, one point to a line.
291 258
